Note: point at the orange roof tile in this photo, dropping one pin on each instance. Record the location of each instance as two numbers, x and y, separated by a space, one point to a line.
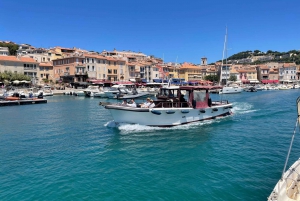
264 67
17 59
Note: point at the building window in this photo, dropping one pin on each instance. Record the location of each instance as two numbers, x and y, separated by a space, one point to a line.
115 63
93 68
109 71
104 76
88 68
115 71
42 75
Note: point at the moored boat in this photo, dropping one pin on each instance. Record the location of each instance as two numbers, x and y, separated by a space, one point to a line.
175 105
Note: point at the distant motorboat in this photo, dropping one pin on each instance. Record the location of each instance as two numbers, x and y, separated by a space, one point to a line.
231 89
250 89
91 90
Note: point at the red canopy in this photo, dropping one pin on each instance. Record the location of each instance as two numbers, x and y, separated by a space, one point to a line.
269 81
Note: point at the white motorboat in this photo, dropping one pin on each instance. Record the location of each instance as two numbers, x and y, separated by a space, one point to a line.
79 93
46 91
288 187
231 89
115 90
100 94
132 95
171 108
91 90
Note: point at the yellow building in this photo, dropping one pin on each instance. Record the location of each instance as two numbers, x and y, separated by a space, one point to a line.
190 72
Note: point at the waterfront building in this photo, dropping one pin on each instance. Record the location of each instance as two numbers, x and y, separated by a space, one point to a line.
130 55
18 64
115 69
46 72
287 73
70 69
190 72
248 74
4 51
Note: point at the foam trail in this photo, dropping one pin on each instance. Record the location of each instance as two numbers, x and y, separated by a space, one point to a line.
242 108
136 128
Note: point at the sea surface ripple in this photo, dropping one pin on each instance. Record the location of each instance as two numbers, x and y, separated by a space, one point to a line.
70 149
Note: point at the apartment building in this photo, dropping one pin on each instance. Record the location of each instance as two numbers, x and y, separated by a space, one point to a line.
46 71
18 64
190 72
287 73
4 51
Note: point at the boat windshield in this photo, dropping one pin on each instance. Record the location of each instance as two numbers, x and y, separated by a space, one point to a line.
199 96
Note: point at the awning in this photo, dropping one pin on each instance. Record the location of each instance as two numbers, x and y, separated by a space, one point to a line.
254 81
157 80
246 81
269 81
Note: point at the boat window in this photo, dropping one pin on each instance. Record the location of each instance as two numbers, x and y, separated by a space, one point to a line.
199 96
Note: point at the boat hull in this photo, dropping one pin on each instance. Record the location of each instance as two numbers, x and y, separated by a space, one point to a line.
286 189
231 90
165 117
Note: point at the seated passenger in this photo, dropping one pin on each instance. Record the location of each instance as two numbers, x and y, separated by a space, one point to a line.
152 104
132 103
124 102
146 104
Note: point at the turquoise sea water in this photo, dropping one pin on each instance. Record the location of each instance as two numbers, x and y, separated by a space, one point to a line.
69 149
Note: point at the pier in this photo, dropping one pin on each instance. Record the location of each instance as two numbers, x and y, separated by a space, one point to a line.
22 102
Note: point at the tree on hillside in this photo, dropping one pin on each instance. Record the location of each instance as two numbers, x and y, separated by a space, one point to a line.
11 47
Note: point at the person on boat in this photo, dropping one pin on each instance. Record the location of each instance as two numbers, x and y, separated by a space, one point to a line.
152 104
132 103
124 102
146 104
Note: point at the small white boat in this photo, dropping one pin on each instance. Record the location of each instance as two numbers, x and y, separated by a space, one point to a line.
115 90
91 90
79 93
288 187
231 89
47 91
172 109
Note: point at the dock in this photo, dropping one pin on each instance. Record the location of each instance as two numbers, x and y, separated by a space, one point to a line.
22 102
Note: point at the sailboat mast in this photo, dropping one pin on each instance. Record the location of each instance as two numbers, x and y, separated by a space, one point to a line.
224 48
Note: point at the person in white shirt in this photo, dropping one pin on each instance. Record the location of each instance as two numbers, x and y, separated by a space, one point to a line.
152 104
146 104
132 104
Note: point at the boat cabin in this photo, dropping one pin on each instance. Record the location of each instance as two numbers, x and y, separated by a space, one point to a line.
185 96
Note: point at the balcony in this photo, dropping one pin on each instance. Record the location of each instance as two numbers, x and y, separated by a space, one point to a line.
80 73
29 68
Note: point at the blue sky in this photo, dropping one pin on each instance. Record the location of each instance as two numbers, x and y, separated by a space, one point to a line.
173 30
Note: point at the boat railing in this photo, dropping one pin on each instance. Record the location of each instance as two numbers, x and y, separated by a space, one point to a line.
169 104
222 102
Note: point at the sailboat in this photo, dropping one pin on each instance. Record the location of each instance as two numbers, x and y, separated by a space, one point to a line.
233 89
288 187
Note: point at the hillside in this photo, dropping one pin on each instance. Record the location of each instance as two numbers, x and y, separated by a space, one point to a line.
257 57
